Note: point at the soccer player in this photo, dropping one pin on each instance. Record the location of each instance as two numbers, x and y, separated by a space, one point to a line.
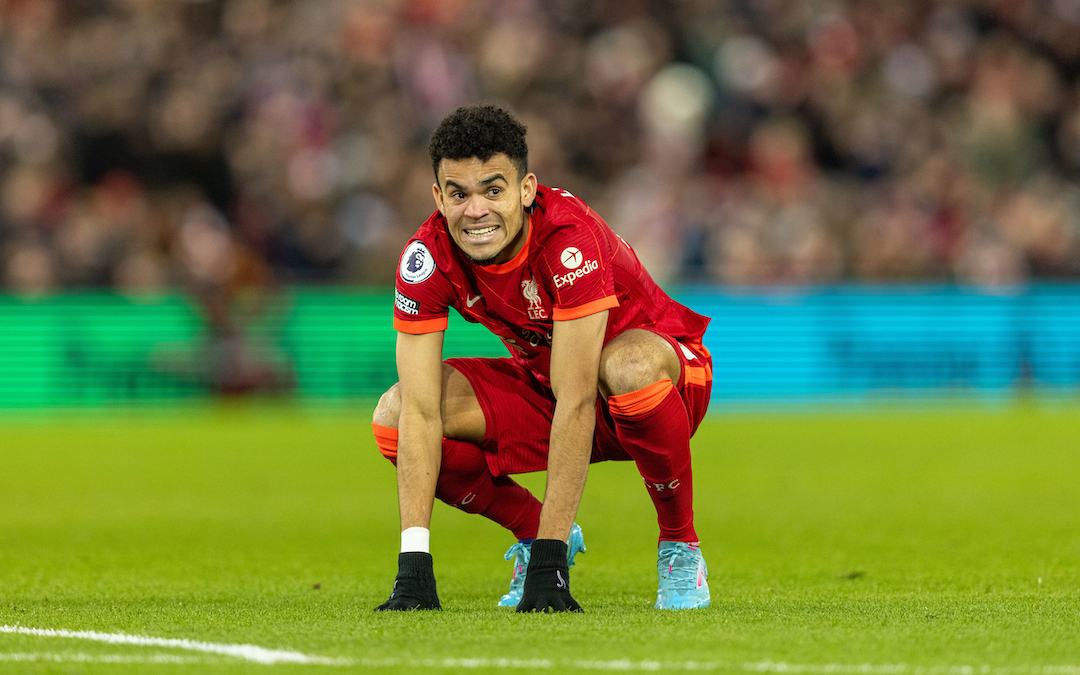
603 366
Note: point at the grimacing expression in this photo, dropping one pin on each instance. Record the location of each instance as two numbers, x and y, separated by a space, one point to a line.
484 205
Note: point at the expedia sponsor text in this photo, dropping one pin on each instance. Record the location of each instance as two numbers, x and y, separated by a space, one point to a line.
569 278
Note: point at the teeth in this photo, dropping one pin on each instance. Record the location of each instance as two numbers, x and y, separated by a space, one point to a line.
481 232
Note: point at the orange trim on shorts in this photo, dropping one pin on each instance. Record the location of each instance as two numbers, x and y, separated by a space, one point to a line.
421 327
696 375
594 307
700 350
641 401
386 438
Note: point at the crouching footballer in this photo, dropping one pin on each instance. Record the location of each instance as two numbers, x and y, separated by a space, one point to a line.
603 366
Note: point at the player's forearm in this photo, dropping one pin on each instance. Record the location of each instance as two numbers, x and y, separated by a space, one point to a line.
418 461
568 466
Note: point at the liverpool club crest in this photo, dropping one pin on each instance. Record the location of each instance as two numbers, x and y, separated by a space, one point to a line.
531 292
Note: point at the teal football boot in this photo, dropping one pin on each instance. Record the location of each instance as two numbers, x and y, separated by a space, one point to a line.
520 553
684 578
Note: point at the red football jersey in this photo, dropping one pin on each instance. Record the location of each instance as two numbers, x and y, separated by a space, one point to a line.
572 265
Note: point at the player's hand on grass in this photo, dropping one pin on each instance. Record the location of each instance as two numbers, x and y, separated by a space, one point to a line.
414 587
547 580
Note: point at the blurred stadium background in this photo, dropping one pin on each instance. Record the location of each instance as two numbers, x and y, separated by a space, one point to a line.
874 200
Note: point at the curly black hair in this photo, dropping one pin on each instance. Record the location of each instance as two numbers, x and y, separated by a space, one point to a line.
480 131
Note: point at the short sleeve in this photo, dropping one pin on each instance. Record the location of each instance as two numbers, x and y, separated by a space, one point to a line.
581 277
421 292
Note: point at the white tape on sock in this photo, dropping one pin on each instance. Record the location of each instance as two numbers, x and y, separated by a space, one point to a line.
416 540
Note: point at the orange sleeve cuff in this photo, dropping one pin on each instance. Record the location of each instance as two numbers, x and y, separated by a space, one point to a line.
421 327
641 401
567 313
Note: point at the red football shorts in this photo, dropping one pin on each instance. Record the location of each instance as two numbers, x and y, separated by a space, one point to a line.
518 409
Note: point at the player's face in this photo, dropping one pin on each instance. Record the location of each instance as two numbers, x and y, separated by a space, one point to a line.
484 205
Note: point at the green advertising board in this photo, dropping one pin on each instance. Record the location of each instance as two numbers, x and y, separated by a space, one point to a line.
807 345
96 348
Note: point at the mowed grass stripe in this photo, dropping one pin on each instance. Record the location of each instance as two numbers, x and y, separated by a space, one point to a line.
583 665
925 539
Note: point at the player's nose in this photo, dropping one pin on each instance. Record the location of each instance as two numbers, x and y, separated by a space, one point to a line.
476 207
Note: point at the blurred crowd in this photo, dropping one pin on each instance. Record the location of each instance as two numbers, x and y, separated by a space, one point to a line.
221 146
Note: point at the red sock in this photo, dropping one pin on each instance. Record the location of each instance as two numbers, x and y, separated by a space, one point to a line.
465 483
654 429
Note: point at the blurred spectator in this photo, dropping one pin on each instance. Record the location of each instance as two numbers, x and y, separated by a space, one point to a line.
735 142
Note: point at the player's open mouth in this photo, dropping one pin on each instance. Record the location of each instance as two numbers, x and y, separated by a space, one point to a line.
481 231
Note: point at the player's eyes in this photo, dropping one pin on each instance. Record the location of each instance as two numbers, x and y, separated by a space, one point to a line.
494 192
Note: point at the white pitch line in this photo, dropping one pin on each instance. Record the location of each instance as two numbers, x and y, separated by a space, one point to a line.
246 652
106 658
272 656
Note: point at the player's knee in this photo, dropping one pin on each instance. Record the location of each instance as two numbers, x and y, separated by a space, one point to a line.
388 409
630 368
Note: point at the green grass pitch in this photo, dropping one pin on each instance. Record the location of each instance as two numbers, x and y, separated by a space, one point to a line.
932 542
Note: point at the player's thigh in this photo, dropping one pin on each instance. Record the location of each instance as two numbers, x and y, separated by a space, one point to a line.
462 416
516 407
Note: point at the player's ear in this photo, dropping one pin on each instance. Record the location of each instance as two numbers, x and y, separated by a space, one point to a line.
528 189
437 193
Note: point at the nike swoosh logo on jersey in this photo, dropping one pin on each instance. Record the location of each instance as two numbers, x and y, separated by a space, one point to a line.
472 301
